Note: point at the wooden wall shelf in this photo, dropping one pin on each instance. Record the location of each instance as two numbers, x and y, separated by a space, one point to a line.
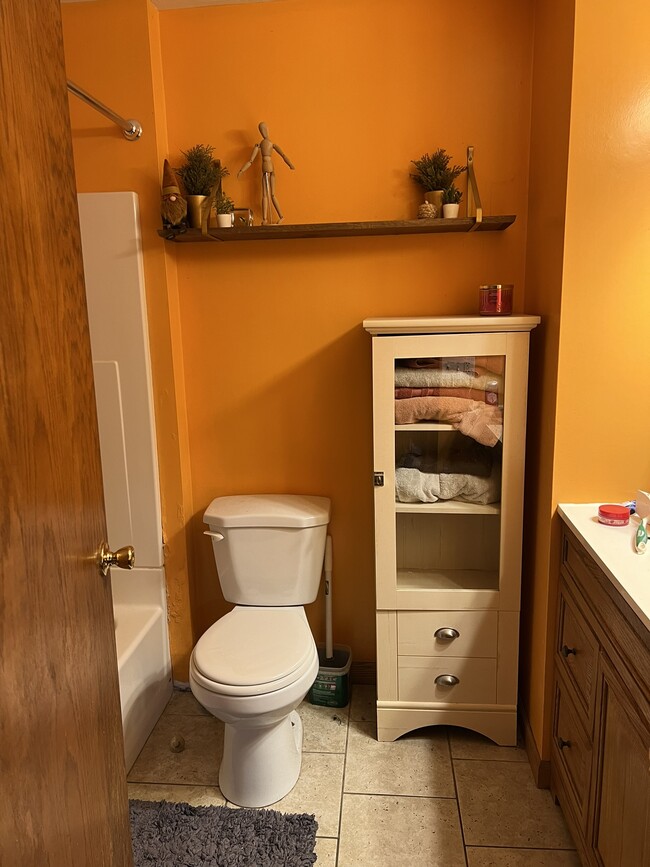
344 230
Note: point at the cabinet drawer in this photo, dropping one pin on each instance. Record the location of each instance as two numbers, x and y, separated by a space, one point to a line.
571 749
477 633
576 652
477 679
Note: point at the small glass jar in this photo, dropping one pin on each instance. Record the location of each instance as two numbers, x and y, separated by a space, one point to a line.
495 299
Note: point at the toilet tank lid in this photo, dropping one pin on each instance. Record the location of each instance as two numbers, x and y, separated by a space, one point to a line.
268 510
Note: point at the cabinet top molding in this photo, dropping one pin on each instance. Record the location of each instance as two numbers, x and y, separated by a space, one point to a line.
451 324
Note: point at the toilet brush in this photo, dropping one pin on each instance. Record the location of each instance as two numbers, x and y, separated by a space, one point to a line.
331 687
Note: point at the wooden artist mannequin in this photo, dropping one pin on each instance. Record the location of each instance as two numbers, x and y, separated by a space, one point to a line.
267 147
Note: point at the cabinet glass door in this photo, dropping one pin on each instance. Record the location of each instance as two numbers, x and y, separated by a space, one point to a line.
448 431
449 421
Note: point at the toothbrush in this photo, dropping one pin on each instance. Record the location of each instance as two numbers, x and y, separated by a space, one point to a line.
641 538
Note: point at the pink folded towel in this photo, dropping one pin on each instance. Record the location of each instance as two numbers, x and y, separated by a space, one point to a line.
481 421
469 393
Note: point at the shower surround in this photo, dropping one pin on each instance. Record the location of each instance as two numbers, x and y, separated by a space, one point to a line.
117 313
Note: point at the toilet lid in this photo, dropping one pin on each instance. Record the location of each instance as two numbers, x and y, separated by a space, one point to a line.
255 648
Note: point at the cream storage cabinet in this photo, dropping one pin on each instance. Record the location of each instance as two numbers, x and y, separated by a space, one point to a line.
449 418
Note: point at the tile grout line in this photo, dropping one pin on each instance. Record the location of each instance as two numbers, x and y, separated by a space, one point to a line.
460 818
345 763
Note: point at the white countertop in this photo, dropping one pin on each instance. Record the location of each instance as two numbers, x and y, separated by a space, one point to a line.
613 550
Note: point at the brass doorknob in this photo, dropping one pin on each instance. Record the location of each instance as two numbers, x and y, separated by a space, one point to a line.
123 558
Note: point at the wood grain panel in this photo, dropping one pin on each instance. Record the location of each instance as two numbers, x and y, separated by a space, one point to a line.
63 793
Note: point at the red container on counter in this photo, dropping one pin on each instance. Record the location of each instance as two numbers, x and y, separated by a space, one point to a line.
613 515
495 299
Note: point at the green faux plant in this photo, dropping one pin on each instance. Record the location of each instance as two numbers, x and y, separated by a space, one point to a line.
434 171
201 172
451 196
224 204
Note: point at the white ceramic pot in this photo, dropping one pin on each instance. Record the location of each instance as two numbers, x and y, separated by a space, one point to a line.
450 211
224 221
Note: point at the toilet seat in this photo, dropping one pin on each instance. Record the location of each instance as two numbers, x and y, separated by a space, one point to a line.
254 650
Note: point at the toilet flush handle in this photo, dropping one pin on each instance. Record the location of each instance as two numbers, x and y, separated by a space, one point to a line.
217 536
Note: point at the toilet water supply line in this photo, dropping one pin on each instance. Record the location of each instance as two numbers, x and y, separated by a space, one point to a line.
329 650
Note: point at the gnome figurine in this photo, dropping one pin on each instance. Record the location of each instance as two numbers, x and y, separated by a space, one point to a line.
173 207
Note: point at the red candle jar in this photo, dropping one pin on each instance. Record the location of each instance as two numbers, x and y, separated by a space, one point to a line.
495 299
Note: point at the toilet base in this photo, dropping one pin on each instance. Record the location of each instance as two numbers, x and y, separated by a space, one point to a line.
261 765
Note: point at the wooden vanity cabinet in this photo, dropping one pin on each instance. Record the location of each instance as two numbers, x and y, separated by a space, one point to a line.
600 754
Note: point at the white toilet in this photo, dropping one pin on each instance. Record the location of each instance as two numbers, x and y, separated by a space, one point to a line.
253 667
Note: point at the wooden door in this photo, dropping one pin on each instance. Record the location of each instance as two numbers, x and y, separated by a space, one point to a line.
63 797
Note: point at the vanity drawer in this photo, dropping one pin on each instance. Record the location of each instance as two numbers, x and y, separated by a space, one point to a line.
571 749
576 652
477 633
477 679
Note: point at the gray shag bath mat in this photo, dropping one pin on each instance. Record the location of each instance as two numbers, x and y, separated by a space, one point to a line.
178 835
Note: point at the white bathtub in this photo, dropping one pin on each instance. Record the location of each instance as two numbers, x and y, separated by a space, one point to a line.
142 654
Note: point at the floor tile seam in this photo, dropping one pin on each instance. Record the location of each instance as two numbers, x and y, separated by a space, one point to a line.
345 765
170 785
481 759
156 783
400 795
520 846
323 752
460 818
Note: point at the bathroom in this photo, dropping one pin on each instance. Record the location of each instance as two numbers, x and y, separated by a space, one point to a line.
261 370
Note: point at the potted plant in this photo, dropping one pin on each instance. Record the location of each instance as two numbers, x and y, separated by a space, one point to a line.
225 209
434 175
451 201
201 175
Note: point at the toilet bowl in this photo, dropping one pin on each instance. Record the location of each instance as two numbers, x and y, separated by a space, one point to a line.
253 667
263 734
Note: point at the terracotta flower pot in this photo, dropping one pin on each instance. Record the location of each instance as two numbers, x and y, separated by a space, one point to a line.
194 210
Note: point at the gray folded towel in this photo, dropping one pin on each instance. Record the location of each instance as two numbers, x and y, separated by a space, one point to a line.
412 486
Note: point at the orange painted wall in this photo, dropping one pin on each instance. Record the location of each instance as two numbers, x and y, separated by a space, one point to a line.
603 413
276 362
112 50
549 146
587 270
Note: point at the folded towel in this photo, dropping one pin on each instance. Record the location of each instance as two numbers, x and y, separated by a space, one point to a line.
468 393
412 486
481 421
405 377
468 363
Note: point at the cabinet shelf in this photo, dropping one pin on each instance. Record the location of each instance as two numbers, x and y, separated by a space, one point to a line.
449 579
344 230
448 507
424 425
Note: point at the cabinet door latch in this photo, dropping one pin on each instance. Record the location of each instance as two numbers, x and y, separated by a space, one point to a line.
378 480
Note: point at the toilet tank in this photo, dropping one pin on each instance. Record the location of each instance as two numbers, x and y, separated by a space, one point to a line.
269 548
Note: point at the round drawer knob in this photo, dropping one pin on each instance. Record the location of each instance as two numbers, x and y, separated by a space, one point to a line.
563 745
446 633
447 680
567 651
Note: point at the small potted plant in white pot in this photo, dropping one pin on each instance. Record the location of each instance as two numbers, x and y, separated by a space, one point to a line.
451 202
435 175
201 174
225 208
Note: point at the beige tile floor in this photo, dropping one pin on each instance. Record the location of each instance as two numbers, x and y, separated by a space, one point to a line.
436 797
